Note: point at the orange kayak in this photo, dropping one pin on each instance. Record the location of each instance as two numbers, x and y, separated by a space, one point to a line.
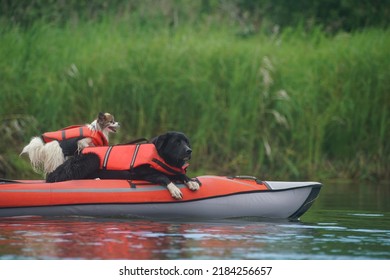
218 197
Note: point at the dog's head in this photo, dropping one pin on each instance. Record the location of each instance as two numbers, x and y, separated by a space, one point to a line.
174 147
106 122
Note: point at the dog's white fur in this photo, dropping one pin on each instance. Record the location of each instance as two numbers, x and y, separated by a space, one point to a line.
47 157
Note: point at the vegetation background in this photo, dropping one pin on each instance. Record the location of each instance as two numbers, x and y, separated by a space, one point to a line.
274 88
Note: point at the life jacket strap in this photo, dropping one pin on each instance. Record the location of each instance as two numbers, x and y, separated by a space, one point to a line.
106 156
166 167
134 157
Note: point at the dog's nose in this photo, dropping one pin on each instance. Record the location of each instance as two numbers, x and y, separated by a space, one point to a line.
188 151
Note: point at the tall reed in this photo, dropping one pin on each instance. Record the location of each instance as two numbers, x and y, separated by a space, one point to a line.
283 106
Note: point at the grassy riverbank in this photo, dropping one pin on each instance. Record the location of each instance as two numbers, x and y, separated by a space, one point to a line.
289 105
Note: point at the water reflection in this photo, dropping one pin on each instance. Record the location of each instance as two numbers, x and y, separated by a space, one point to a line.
90 238
344 223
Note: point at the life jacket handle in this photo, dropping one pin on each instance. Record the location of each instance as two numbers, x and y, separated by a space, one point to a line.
137 141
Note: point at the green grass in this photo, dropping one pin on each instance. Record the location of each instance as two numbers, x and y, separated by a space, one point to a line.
286 106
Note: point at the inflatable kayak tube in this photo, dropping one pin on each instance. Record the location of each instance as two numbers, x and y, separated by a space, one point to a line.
218 197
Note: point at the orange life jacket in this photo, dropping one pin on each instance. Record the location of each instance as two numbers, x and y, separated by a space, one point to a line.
127 157
76 131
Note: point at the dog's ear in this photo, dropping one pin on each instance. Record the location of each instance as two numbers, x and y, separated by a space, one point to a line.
101 116
159 141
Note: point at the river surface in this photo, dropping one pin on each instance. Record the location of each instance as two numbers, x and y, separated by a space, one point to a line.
348 221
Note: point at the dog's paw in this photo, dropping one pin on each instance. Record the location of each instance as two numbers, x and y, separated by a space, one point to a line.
192 185
175 191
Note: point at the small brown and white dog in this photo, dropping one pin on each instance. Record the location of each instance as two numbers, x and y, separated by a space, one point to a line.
51 149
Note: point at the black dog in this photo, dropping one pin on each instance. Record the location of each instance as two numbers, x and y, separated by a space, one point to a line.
173 149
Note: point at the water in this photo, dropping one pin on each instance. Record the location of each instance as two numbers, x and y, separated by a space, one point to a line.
346 222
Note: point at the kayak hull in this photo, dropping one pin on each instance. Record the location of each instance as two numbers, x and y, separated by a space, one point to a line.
219 197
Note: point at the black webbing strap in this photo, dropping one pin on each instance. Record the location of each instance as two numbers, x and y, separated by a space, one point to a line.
166 167
137 141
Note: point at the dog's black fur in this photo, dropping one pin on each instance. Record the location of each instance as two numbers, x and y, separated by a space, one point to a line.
173 147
